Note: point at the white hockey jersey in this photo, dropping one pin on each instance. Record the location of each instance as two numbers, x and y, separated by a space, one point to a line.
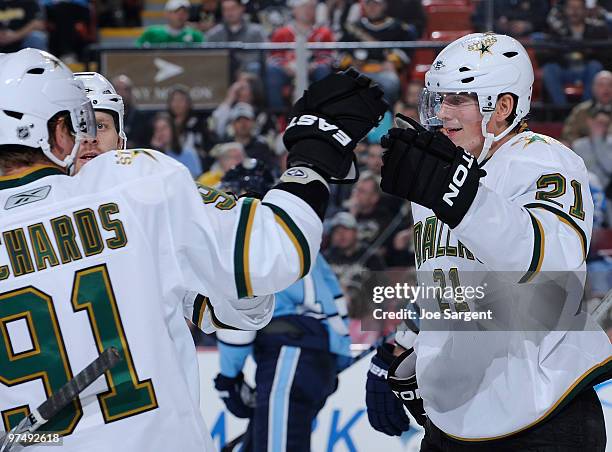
111 257
532 216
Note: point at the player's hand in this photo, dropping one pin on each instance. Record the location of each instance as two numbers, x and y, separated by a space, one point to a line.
402 380
385 411
239 397
427 168
328 121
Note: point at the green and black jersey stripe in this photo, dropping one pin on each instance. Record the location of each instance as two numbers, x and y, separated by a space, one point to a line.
295 235
199 307
567 219
242 246
538 250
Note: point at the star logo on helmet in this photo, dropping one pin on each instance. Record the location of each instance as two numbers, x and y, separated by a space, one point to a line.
484 45
438 65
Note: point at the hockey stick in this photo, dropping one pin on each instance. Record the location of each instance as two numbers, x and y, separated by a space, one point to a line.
229 447
58 400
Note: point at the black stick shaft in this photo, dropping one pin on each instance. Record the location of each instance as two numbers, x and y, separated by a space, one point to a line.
107 360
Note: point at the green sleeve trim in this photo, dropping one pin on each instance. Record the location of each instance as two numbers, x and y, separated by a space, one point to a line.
295 235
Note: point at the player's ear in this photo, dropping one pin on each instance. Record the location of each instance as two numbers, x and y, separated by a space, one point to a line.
504 107
63 140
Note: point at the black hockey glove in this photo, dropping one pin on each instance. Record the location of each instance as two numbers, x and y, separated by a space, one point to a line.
385 413
239 397
427 168
402 379
328 121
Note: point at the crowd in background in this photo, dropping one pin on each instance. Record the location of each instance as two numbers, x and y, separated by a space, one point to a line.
366 231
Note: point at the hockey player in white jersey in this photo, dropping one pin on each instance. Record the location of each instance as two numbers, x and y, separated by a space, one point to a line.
109 111
492 200
105 258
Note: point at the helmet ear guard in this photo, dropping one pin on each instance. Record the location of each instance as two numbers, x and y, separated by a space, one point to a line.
487 65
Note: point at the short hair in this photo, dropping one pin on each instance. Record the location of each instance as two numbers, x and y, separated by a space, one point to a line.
370 176
17 155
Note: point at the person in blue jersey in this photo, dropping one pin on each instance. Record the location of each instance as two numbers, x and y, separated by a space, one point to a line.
298 354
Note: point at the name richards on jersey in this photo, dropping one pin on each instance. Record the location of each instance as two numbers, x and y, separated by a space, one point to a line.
43 252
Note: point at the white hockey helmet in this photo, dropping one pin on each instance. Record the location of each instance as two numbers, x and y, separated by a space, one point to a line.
486 65
103 96
35 86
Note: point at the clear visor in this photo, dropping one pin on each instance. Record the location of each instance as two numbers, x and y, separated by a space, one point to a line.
84 121
431 105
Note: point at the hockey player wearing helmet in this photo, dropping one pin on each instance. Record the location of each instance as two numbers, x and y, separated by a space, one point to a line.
56 122
112 256
492 203
109 111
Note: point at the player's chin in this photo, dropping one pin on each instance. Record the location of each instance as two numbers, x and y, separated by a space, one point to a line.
456 135
85 158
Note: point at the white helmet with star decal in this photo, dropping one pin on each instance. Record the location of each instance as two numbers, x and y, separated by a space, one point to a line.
104 97
486 65
34 87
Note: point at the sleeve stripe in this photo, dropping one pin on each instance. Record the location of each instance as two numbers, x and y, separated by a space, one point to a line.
538 250
295 235
215 321
199 306
241 248
565 218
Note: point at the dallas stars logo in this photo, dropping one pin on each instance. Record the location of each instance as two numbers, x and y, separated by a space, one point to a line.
484 45
533 139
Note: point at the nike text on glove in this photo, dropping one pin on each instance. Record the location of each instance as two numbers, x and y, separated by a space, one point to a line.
385 411
239 397
402 380
328 121
427 168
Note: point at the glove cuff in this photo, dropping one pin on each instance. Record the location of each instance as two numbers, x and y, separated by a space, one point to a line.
382 360
326 158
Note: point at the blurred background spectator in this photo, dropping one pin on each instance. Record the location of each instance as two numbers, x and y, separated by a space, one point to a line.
353 263
339 13
246 89
365 205
190 128
517 18
70 27
205 15
22 24
410 12
596 148
175 30
119 13
271 14
166 140
570 22
576 124
227 156
382 65
281 63
235 27
136 123
242 118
